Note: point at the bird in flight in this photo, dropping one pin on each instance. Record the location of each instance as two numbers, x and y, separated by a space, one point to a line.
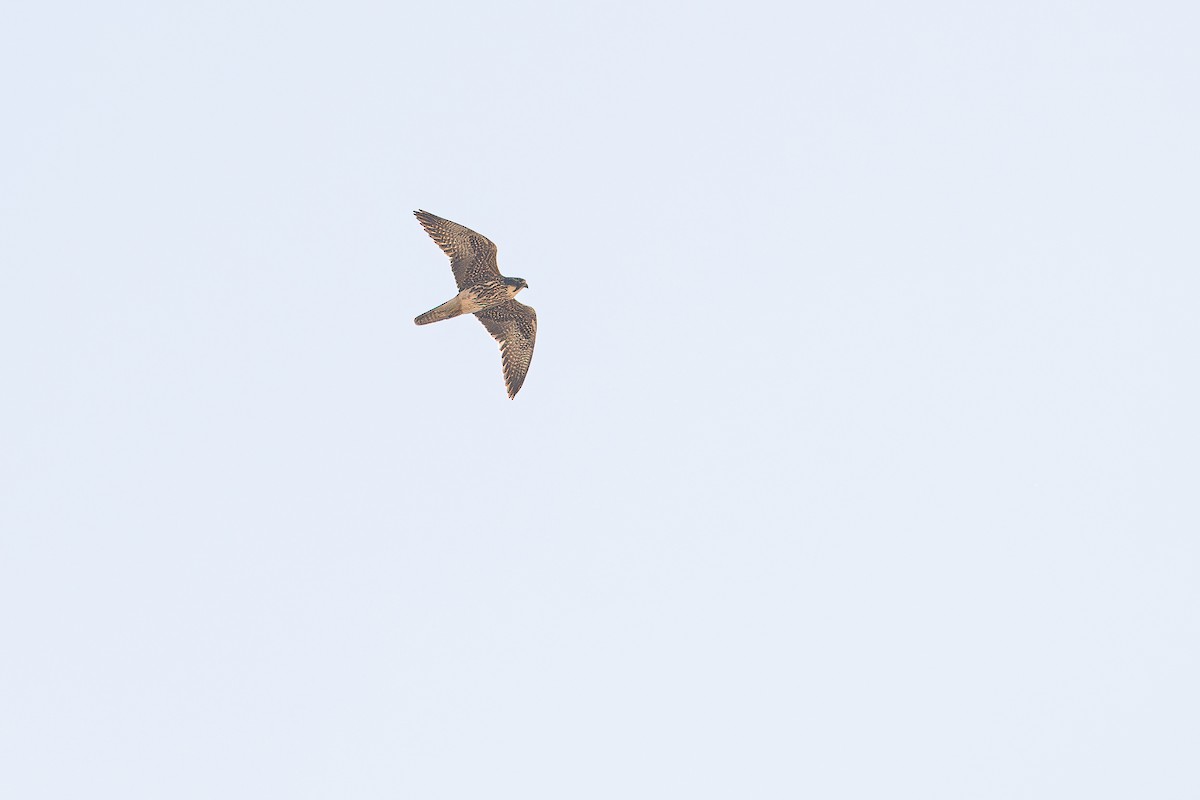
484 292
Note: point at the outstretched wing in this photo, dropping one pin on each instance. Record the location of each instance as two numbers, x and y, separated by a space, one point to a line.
472 256
514 326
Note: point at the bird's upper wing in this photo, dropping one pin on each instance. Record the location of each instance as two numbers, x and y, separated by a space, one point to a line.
472 256
514 326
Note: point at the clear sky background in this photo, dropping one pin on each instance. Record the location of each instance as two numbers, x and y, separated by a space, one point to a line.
858 457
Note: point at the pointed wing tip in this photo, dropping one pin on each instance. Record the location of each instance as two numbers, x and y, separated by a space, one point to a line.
430 222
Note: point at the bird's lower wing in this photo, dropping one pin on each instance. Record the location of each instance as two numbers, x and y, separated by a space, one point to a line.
514 326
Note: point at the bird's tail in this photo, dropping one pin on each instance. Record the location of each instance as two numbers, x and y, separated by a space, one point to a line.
448 309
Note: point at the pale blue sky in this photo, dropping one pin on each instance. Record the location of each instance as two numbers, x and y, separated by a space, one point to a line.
858 457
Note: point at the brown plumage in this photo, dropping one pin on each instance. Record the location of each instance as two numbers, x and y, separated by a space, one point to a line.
484 292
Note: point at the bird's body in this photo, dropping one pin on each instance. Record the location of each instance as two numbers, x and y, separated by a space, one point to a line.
484 292
470 300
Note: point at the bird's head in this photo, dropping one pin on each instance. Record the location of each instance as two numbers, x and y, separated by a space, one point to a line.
517 283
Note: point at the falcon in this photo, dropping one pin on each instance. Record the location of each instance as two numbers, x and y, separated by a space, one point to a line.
484 292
